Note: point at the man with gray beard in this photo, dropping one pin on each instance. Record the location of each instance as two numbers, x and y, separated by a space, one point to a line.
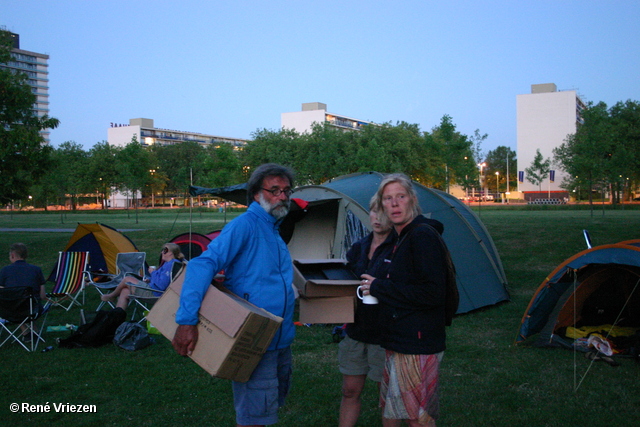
257 267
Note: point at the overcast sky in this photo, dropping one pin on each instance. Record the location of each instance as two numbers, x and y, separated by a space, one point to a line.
229 68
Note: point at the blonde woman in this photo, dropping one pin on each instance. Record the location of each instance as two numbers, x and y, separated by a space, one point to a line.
159 279
412 308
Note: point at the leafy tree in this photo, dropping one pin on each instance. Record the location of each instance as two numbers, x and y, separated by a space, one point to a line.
133 164
497 162
452 150
221 166
102 173
184 163
625 158
270 146
585 154
539 170
69 175
387 148
321 154
23 155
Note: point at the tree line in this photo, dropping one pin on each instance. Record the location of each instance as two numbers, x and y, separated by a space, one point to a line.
440 158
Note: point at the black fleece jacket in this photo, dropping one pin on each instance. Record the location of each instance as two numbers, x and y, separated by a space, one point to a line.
412 297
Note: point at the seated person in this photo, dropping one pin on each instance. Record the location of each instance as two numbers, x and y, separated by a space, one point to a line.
21 273
159 280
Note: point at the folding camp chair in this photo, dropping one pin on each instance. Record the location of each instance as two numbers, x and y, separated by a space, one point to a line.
126 263
20 307
70 278
146 301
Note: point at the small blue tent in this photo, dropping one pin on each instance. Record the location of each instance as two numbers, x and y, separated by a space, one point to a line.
598 286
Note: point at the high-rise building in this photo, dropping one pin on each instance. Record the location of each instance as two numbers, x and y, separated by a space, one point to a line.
545 118
145 132
316 112
36 67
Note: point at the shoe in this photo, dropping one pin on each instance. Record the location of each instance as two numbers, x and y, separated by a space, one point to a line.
599 356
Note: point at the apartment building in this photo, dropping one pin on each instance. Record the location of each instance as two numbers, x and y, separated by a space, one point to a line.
544 119
36 67
316 112
147 134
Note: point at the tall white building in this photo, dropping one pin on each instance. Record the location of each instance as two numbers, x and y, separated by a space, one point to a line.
316 112
36 67
544 119
145 132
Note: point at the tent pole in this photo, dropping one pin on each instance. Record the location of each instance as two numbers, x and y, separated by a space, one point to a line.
190 210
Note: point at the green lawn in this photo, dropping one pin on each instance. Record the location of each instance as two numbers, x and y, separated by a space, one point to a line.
485 379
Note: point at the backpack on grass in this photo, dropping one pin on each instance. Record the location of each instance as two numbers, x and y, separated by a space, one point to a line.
132 336
98 332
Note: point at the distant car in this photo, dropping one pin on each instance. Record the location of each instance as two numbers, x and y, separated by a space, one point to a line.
489 197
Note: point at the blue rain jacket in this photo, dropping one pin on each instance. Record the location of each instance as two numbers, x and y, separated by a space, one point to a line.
257 267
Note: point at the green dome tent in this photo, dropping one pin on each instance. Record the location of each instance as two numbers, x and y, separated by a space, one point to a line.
339 208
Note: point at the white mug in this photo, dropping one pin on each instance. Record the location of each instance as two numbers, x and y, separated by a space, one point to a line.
366 299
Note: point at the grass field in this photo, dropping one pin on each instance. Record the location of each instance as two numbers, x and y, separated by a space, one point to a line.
485 379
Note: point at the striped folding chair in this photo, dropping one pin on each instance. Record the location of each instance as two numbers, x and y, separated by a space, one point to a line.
70 279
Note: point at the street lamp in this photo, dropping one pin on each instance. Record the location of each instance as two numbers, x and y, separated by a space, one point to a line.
153 201
481 165
497 184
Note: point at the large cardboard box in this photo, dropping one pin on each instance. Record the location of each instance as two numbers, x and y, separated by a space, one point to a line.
327 290
327 310
233 334
324 278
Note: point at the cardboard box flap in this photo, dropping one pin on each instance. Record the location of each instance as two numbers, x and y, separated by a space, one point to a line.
324 269
333 282
320 261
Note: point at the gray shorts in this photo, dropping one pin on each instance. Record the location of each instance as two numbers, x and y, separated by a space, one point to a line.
358 358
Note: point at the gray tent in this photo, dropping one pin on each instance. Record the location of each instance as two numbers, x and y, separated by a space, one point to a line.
337 215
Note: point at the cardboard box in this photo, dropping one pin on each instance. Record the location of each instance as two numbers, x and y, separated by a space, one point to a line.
327 310
324 278
233 334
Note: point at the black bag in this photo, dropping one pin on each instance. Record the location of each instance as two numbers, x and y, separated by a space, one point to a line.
132 336
453 296
99 331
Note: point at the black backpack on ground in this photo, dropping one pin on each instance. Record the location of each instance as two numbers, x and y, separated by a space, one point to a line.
98 332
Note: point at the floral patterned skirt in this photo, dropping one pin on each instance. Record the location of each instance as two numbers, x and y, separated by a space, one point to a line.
409 388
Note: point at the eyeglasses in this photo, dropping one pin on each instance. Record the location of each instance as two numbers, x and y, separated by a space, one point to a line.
277 192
